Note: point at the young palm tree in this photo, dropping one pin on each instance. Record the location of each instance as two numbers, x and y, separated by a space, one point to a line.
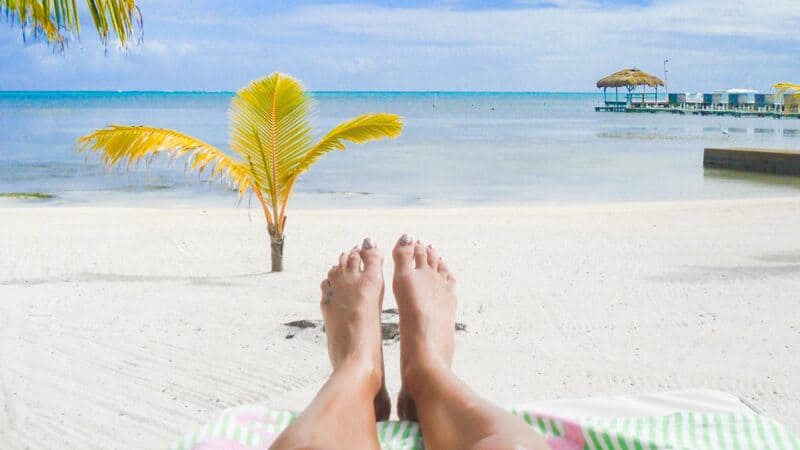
793 100
53 18
271 141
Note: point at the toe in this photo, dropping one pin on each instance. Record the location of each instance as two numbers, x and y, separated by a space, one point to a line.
354 260
420 255
333 272
325 287
402 253
442 267
371 256
433 257
450 278
342 262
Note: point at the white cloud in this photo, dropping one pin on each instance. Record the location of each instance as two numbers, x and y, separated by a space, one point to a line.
579 41
507 26
163 48
210 45
155 47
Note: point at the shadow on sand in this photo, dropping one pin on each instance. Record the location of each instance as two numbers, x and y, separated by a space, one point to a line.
91 277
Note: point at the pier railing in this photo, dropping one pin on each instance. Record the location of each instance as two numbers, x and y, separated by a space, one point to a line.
700 109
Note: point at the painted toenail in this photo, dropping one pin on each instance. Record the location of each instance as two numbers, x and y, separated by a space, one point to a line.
368 244
430 246
405 239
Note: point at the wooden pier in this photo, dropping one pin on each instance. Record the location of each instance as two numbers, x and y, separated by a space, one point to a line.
775 161
731 112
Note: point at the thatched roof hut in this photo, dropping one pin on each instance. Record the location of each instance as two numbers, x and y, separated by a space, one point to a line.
629 78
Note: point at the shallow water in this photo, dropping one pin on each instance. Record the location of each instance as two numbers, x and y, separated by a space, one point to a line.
456 149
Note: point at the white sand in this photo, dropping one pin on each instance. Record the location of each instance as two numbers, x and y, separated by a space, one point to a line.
123 328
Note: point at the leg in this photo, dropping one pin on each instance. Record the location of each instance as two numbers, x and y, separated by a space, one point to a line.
343 413
450 413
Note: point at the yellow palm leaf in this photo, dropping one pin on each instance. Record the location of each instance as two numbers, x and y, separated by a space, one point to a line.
123 146
118 15
364 128
788 88
52 18
270 130
270 135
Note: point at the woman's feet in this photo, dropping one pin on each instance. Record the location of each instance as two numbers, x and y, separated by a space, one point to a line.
352 295
451 414
426 300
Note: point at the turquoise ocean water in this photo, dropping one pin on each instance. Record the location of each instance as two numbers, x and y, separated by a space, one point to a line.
457 149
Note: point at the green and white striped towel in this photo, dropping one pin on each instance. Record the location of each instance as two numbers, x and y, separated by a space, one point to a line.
256 427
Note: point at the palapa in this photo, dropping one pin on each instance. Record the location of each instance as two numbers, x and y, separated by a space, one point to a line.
629 78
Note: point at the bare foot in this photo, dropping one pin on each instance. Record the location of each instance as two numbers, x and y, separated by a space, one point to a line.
352 296
426 301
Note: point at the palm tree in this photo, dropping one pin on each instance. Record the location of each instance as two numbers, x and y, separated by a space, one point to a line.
55 18
788 88
271 142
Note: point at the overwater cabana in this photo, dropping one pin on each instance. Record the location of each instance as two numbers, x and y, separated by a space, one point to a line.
630 79
789 93
742 97
783 104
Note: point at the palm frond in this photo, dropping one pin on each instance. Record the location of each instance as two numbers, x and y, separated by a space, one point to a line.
364 128
785 87
56 19
124 146
122 16
792 89
270 135
36 17
270 130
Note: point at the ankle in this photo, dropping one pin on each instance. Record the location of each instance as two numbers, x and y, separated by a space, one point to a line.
422 373
362 371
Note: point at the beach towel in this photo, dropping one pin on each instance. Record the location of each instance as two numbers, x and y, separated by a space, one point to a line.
732 426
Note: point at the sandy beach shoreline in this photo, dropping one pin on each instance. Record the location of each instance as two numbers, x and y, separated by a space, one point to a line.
124 327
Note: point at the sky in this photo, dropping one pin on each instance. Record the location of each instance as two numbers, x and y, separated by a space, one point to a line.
455 45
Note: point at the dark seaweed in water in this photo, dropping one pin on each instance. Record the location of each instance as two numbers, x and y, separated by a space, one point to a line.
27 195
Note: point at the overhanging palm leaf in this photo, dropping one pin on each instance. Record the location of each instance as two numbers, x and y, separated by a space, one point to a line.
788 88
270 135
55 18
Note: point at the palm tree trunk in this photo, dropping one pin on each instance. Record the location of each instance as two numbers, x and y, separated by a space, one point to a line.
276 249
